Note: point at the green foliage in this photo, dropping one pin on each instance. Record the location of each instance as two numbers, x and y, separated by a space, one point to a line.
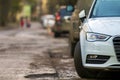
15 6
52 5
67 2
4 9
33 4
9 8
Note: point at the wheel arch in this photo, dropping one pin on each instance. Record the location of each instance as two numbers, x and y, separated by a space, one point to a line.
82 39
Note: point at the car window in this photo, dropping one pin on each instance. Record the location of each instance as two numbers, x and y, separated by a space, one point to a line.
106 8
64 12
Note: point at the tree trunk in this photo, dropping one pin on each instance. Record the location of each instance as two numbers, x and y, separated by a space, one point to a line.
4 10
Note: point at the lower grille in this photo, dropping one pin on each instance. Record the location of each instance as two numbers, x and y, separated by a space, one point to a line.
100 59
116 42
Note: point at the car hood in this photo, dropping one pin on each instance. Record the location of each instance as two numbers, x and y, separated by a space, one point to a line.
109 26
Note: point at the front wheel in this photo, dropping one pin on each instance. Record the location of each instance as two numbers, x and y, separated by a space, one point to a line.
82 72
72 48
56 34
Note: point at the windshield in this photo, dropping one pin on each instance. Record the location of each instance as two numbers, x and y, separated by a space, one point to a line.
64 12
106 8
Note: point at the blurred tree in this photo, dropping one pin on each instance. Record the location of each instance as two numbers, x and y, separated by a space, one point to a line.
14 8
9 9
52 5
33 4
4 9
67 2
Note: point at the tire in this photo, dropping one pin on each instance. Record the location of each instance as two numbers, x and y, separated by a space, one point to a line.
81 71
56 34
71 45
72 48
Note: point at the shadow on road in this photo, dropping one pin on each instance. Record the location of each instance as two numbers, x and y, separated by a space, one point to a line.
109 75
41 75
106 76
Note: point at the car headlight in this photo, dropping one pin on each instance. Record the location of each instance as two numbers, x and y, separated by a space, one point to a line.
97 37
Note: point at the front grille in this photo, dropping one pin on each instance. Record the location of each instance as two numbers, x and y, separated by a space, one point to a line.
116 65
116 42
100 59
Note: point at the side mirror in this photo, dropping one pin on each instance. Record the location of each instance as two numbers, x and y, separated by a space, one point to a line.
82 15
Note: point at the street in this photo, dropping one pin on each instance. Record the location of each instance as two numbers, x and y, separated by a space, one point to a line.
32 54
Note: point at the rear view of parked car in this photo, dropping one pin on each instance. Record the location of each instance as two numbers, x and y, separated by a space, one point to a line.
62 21
99 46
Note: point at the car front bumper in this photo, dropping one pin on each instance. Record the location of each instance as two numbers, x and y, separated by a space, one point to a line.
101 55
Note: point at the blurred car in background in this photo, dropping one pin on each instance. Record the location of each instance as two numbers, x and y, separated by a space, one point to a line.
48 20
62 18
75 23
74 30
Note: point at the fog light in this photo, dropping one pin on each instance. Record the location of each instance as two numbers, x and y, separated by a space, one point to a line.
96 59
92 56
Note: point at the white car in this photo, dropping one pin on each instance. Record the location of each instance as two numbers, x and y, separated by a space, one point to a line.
48 20
99 45
67 19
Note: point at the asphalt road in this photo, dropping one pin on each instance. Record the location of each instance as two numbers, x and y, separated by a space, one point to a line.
32 54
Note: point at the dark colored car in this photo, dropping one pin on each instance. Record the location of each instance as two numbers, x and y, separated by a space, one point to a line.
74 31
62 22
76 22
